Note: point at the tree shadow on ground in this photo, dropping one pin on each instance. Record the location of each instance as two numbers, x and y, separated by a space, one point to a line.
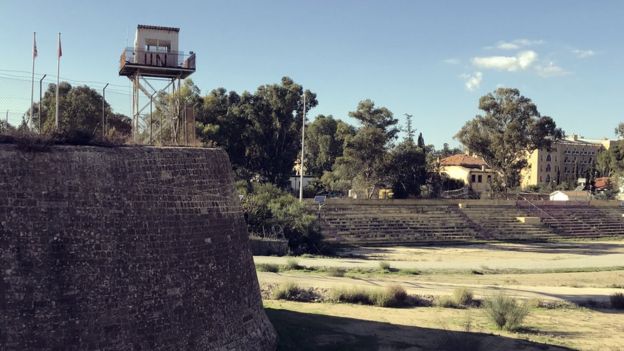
575 248
588 248
304 331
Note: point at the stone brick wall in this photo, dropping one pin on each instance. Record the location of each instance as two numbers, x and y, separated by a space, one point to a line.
130 248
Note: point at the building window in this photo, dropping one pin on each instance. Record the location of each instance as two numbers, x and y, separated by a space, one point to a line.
480 179
540 179
548 178
473 178
548 158
548 167
489 178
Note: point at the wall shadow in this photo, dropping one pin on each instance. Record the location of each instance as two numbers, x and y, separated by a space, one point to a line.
304 331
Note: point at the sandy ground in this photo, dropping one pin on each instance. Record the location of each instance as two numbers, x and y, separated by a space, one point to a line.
584 329
494 256
526 271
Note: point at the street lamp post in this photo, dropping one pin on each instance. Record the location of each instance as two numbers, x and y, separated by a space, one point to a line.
302 150
40 89
103 111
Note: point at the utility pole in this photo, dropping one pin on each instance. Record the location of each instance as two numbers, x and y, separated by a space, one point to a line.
40 89
302 149
32 82
103 111
151 120
58 81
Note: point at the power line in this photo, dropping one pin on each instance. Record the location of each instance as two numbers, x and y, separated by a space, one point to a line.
61 78
51 81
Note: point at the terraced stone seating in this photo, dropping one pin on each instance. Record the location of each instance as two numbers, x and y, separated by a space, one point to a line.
388 224
579 219
499 222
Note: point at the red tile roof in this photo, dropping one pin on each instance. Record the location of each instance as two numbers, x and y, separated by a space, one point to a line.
463 160
601 183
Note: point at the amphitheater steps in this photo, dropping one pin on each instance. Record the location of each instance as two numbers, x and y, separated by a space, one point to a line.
580 221
500 223
379 224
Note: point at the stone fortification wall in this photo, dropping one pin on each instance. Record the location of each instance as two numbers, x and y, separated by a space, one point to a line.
131 248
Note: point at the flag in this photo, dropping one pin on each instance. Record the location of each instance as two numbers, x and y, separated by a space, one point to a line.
34 47
60 51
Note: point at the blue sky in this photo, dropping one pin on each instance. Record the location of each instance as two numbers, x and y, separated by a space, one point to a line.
432 59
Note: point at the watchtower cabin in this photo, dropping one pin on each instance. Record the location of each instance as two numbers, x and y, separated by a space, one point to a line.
155 57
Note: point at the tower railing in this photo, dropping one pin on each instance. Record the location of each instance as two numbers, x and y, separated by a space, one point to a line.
155 58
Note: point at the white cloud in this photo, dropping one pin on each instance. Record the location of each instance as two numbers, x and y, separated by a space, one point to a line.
473 81
583 53
452 61
516 44
551 70
521 61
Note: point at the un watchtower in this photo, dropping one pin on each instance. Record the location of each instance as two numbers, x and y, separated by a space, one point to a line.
155 58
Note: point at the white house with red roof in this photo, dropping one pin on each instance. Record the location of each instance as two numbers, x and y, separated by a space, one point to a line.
473 171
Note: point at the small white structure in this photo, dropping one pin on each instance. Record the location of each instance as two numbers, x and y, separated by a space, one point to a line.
295 181
570 196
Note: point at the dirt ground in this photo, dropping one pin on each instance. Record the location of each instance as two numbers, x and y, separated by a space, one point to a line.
323 326
533 256
585 272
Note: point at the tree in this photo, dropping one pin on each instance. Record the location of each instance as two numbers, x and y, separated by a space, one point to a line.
409 130
80 113
509 130
619 130
325 141
376 117
275 116
406 169
363 162
170 111
221 123
261 132
5 127
421 142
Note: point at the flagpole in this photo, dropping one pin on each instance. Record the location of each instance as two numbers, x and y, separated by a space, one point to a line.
58 72
302 149
32 83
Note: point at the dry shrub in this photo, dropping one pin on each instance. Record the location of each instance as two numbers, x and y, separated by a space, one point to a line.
292 265
617 301
336 271
505 311
463 297
267 267
292 292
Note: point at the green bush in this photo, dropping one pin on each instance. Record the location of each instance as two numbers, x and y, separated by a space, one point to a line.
505 311
617 301
267 267
463 296
272 211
